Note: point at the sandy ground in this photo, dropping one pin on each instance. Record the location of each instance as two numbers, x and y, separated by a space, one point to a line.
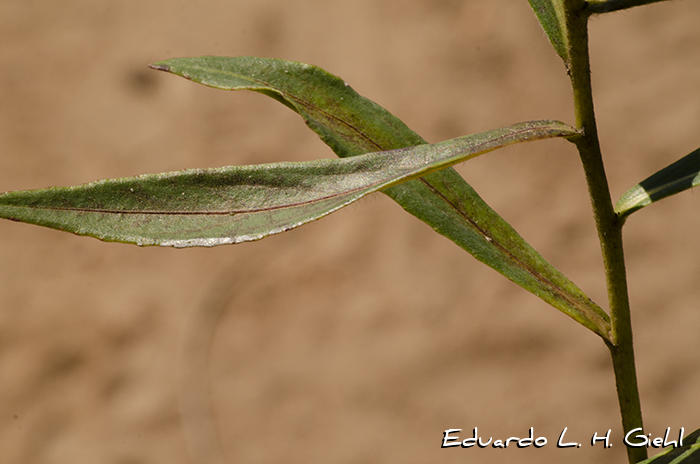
362 337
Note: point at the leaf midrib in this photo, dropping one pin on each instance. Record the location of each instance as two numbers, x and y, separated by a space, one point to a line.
370 188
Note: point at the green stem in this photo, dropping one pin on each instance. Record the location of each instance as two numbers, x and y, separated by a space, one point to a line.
609 225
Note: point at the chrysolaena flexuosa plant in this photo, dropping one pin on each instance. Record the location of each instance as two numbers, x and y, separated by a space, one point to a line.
378 152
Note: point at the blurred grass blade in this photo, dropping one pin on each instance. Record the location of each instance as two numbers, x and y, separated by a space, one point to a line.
550 14
689 453
242 203
682 175
351 125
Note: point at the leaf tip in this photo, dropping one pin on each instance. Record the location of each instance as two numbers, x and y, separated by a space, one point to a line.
160 66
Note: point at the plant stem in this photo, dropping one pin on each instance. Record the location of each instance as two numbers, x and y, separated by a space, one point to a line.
608 224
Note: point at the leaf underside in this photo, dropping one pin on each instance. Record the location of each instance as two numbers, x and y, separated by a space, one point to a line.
165 209
682 175
208 207
351 125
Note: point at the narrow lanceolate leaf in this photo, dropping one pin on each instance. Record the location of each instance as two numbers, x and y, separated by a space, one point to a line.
352 125
550 14
682 175
609 6
689 453
242 203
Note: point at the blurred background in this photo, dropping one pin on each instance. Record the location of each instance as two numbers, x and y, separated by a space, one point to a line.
362 337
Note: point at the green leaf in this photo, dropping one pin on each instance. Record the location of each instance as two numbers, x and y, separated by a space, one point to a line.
207 207
609 6
689 453
682 175
550 14
351 124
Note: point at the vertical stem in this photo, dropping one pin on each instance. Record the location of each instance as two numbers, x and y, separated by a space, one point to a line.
608 223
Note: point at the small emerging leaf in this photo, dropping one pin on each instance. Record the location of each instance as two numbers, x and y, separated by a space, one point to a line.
689 453
550 14
682 175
